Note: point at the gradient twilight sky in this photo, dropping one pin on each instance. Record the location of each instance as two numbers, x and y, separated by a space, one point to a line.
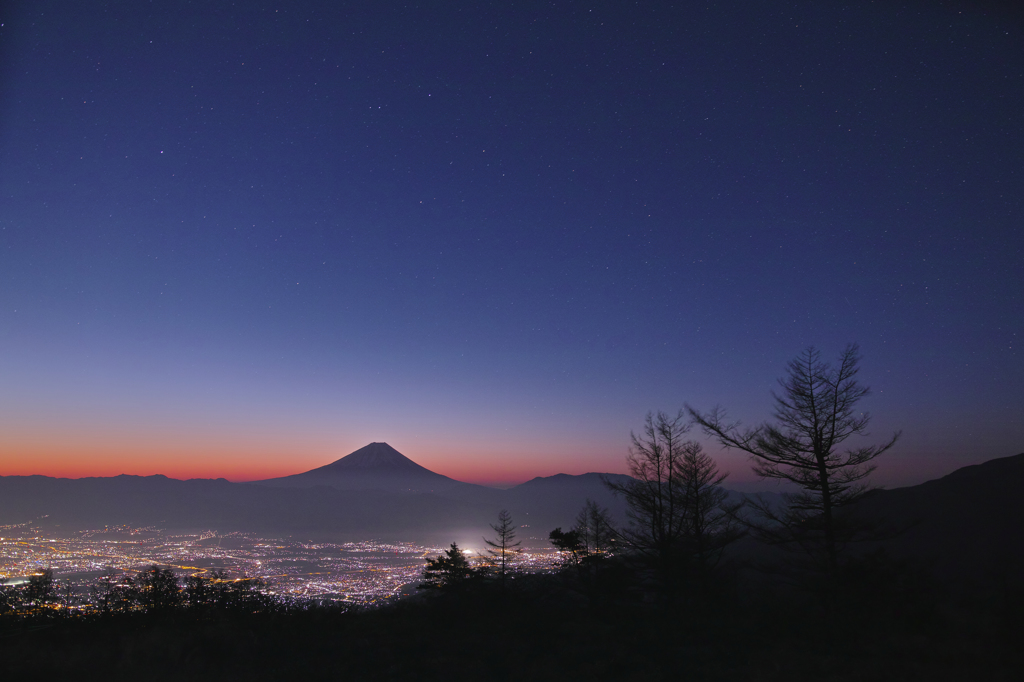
244 241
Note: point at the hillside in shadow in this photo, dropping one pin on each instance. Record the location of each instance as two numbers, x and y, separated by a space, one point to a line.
964 526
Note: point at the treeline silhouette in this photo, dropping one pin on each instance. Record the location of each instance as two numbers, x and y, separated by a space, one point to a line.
151 592
691 585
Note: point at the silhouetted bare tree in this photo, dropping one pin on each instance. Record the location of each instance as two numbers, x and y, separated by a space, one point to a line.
653 498
586 546
815 413
503 549
678 516
710 522
595 529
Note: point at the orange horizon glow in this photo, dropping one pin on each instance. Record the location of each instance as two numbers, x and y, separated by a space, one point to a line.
251 461
246 460
242 455
212 466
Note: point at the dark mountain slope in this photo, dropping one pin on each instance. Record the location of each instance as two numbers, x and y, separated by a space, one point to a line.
554 501
966 523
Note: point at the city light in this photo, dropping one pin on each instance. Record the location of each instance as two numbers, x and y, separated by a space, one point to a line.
369 572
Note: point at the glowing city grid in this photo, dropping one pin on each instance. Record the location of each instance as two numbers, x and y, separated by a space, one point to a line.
369 572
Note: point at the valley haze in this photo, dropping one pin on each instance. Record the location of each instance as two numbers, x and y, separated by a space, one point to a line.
955 521
373 492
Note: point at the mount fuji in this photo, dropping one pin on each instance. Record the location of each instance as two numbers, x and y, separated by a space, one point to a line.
376 466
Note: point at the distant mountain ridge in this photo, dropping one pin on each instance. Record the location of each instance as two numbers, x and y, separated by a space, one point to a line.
553 500
966 519
375 491
320 511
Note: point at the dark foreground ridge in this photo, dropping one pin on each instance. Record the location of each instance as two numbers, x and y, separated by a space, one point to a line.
543 628
963 524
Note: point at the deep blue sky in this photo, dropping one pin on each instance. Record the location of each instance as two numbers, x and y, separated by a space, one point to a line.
238 240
